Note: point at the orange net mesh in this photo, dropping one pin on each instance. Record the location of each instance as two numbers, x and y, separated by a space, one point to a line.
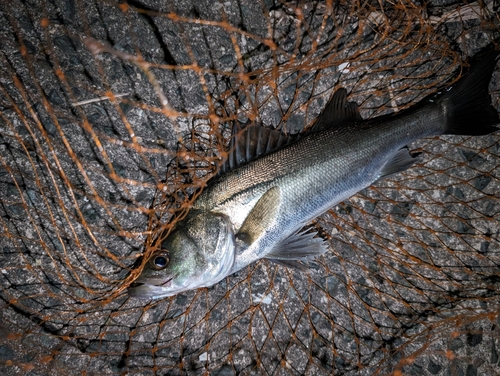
111 116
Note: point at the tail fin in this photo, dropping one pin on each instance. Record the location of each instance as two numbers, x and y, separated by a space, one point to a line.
467 104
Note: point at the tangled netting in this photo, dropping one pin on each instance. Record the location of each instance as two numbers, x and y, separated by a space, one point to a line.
113 113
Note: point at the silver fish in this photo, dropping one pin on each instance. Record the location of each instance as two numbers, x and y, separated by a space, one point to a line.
272 185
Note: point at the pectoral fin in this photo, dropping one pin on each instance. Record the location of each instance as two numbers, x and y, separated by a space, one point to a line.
261 217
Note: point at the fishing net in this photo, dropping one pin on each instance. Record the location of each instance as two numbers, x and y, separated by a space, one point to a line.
112 114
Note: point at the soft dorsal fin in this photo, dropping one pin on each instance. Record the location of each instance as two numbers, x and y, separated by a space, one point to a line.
251 142
338 111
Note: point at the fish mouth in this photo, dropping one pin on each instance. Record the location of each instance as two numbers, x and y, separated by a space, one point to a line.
156 287
151 287
143 291
155 281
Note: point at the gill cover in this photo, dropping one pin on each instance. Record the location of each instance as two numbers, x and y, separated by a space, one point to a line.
198 253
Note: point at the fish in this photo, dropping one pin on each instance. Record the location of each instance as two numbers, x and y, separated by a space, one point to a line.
271 184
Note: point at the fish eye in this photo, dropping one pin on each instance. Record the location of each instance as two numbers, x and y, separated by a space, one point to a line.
159 260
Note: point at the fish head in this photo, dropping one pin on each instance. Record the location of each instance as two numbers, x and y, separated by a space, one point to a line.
199 252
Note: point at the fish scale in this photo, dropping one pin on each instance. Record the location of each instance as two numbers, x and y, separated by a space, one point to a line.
314 174
263 196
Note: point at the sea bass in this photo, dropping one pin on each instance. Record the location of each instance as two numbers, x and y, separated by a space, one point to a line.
272 185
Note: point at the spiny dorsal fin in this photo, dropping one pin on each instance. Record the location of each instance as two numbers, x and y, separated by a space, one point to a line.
338 111
251 142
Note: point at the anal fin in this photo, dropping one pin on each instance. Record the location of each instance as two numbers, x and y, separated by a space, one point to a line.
400 161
